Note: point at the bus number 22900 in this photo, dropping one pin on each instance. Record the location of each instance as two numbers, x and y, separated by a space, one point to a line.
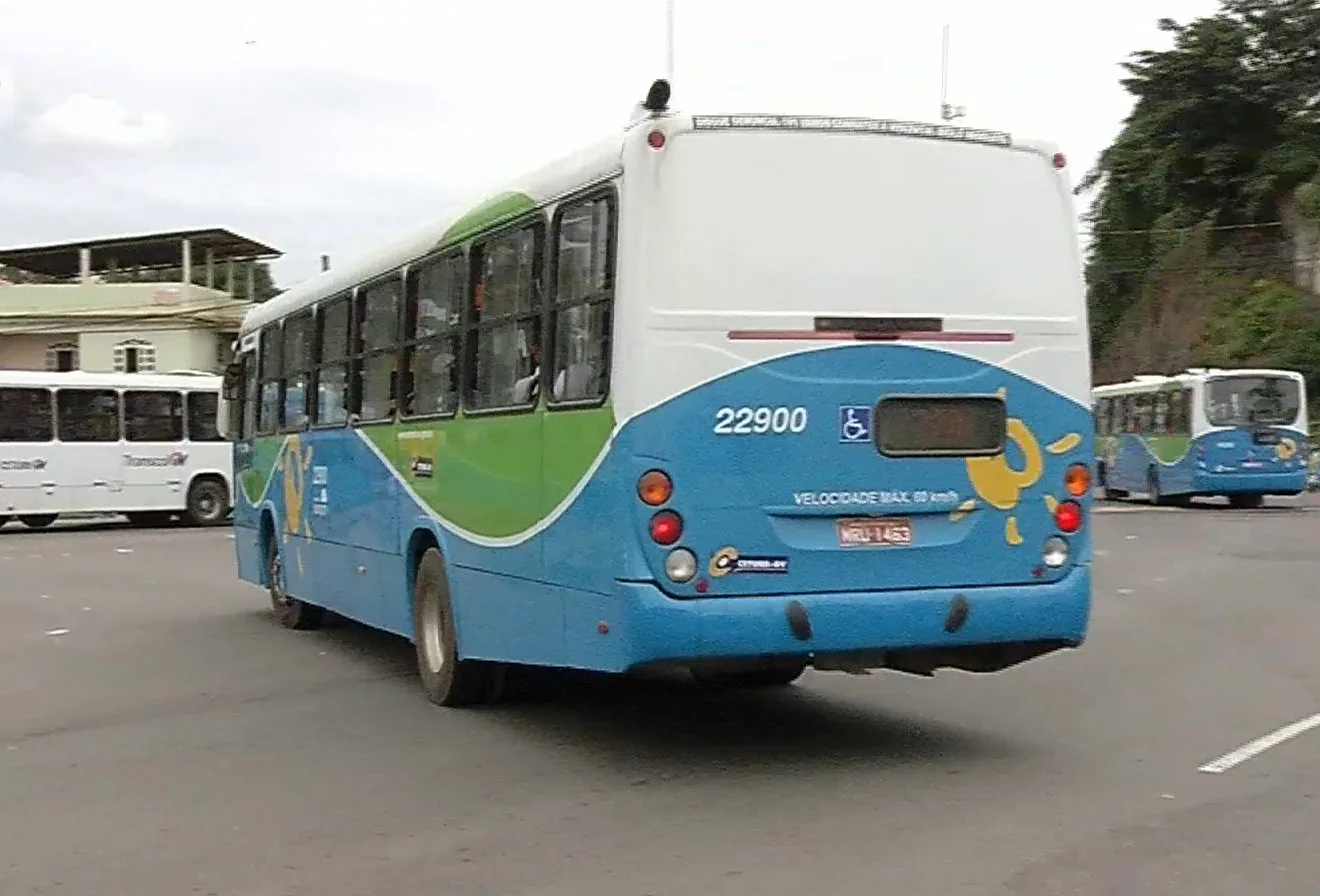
756 421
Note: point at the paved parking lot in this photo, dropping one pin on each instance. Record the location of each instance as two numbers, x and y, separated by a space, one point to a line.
159 734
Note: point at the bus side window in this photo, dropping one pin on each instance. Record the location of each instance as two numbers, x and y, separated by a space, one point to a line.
87 415
1159 406
376 351
296 369
26 415
202 408
331 354
250 392
504 322
268 374
153 416
583 301
433 338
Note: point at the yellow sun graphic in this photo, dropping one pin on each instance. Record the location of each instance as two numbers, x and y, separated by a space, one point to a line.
1000 485
1285 449
295 463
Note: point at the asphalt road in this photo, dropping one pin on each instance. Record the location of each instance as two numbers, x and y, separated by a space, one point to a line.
161 736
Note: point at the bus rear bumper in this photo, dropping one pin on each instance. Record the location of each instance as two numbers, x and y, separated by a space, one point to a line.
1291 483
977 629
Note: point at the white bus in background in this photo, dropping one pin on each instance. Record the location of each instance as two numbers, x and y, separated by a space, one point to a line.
140 444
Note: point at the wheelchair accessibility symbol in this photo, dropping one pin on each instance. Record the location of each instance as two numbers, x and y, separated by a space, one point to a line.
854 424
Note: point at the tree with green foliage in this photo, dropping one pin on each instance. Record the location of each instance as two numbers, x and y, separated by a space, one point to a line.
1223 137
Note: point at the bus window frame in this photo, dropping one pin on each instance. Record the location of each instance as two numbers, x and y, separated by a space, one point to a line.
344 361
272 332
408 343
610 195
359 354
308 316
535 220
52 409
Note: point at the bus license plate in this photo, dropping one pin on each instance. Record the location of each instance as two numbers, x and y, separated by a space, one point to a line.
874 532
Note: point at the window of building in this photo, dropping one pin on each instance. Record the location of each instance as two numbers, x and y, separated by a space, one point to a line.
584 300
332 371
134 356
62 356
376 358
434 334
296 368
87 415
504 334
26 415
268 375
203 413
153 416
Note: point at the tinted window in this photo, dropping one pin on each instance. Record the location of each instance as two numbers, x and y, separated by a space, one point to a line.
504 341
25 415
435 314
584 301
88 415
203 408
153 416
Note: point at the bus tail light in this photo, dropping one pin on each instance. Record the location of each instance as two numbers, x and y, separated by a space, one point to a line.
1054 553
655 488
1077 480
666 527
1068 517
680 565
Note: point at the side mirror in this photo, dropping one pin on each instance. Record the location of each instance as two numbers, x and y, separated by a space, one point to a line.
232 384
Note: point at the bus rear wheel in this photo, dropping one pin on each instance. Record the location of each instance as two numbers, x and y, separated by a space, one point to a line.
38 520
447 679
291 612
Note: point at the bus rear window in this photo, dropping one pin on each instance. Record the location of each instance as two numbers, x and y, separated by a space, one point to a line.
1240 400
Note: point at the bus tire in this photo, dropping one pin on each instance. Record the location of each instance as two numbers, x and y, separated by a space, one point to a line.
37 520
447 679
291 612
769 677
208 502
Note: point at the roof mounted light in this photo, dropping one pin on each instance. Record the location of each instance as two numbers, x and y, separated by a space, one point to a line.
657 98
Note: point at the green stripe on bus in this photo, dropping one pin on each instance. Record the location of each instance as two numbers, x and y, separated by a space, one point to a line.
496 476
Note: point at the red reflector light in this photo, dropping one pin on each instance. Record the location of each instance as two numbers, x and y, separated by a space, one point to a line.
656 139
1060 160
666 527
1068 517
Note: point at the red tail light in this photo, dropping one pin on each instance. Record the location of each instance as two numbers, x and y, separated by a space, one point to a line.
666 527
1068 517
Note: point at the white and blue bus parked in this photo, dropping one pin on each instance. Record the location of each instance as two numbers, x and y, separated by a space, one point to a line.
731 394
1238 434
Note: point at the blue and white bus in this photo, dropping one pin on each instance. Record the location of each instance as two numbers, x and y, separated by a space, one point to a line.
731 395
1239 434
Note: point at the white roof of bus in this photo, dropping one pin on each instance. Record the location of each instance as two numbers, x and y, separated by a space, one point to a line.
79 378
593 164
1151 383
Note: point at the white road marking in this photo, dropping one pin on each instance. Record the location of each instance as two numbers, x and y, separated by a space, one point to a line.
1260 745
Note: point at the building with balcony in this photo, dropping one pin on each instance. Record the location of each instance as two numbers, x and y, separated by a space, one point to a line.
155 302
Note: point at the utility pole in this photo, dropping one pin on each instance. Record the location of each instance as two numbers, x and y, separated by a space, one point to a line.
947 112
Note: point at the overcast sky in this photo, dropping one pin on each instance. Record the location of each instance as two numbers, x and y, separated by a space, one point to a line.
326 127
